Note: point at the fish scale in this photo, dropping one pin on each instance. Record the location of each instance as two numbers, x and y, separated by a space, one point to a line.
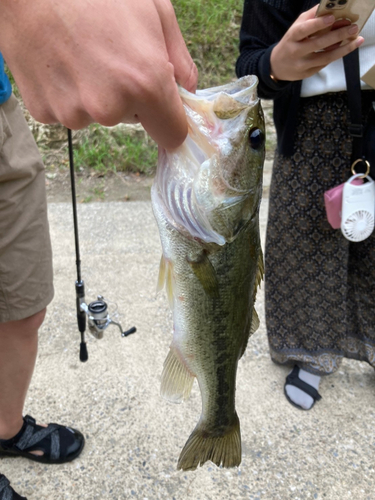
206 198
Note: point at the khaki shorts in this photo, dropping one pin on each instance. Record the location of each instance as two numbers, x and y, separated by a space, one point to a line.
25 248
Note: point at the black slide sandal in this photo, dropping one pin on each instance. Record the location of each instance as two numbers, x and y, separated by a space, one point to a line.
294 380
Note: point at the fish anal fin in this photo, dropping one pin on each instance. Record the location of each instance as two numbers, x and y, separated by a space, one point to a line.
223 450
205 272
176 379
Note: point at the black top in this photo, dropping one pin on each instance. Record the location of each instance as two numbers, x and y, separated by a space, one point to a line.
264 23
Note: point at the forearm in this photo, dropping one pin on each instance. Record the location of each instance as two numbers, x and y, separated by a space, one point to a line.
106 61
262 27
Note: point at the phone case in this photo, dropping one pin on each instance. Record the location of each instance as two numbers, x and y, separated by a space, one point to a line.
355 11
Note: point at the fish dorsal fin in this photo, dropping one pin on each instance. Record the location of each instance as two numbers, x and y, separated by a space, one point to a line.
260 272
254 322
254 325
205 272
176 379
166 278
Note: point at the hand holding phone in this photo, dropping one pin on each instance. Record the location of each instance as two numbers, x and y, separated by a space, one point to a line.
306 47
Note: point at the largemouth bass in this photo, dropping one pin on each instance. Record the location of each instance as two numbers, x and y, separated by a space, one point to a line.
205 197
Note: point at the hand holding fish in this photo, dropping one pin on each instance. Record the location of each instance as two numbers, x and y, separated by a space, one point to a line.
307 47
94 61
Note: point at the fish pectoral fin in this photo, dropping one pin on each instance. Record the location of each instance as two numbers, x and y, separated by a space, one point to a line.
166 277
162 274
223 450
176 379
205 272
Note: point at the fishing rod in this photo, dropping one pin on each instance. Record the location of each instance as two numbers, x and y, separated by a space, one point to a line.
96 312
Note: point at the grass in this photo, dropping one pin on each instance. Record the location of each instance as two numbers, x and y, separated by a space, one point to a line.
210 29
117 149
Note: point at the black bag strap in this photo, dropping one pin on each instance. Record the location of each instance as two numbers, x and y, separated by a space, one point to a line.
353 84
351 66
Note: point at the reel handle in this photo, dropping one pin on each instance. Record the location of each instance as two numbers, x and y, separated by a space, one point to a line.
129 332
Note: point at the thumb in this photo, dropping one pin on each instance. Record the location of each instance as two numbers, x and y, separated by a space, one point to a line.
165 121
185 70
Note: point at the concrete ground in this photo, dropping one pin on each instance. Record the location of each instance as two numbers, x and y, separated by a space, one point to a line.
133 436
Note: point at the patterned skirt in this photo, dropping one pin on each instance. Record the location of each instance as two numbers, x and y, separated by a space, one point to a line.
320 288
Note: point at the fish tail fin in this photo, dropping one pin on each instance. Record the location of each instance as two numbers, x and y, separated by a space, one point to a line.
176 379
223 450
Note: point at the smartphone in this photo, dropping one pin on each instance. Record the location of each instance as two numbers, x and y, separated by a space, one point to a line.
352 11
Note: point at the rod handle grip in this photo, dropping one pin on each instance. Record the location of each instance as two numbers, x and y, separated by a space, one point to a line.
83 354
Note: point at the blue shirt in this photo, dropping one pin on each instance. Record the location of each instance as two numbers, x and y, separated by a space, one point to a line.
5 86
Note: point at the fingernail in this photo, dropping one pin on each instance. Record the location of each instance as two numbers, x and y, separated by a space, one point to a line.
329 19
353 29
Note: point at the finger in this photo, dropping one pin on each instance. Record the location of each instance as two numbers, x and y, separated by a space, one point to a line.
332 37
185 71
326 57
311 27
67 107
164 118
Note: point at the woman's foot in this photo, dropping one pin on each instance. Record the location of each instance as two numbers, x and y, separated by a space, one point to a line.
301 388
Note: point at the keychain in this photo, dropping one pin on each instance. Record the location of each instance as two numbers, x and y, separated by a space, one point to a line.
358 206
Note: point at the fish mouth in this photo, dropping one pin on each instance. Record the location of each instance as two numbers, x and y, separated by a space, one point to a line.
243 90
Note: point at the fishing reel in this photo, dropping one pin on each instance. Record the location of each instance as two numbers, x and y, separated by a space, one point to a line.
99 319
97 316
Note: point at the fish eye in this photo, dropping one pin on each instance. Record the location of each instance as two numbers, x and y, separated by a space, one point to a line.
256 138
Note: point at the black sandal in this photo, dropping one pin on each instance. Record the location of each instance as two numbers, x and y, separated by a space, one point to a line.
58 443
7 492
293 379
